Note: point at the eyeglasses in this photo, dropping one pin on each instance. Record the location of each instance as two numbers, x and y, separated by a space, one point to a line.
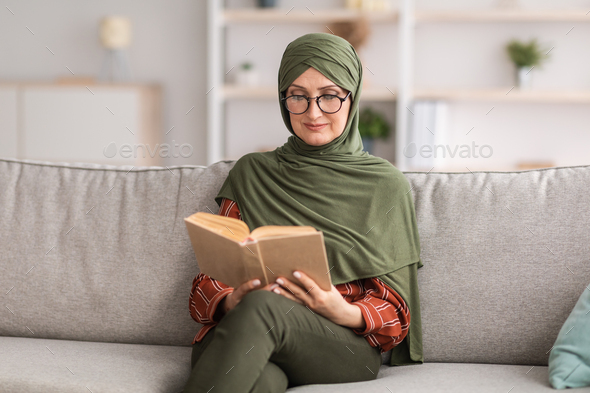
328 103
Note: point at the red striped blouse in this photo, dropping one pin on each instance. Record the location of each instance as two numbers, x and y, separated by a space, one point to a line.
386 315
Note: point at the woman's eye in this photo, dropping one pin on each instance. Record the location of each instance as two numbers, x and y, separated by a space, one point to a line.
298 98
328 97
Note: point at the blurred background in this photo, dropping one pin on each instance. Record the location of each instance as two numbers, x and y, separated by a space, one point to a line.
448 86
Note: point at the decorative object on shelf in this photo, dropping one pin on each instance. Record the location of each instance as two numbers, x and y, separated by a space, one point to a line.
525 57
267 3
369 5
372 125
356 32
247 75
115 36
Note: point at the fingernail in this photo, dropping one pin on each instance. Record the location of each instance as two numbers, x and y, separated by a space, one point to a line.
276 290
256 282
280 281
297 274
273 286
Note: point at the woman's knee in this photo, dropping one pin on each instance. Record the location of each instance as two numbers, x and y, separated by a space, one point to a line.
257 306
272 379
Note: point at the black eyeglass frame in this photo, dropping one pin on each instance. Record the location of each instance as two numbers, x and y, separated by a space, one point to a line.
284 100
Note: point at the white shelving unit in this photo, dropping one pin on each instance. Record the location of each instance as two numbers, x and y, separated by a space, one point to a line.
405 19
219 93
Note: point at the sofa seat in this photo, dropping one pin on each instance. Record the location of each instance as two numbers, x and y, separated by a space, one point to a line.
449 377
42 365
31 365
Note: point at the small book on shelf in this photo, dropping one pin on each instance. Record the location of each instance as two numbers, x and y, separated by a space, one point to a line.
227 251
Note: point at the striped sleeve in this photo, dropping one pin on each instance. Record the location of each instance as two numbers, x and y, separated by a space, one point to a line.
206 292
229 208
386 315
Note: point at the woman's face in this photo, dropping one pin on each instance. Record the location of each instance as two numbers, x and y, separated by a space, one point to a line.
315 127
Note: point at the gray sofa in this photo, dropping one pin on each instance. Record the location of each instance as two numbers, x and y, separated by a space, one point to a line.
96 268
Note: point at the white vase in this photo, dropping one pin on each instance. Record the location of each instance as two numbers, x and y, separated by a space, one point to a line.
524 77
247 78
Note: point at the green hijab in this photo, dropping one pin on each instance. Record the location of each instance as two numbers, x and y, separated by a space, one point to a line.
361 203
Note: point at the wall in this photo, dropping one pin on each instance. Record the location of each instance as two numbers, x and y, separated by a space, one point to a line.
169 46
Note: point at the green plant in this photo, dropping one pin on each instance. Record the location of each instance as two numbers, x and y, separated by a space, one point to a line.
247 66
525 54
372 124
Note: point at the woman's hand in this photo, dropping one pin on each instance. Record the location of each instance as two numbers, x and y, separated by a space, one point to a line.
329 304
232 300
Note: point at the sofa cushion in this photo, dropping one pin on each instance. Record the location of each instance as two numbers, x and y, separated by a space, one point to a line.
41 365
100 253
446 378
506 256
569 361
30 365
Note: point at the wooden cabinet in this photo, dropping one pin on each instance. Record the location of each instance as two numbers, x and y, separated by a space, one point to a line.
8 121
116 124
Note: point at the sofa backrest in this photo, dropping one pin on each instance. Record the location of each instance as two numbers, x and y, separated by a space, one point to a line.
101 253
506 256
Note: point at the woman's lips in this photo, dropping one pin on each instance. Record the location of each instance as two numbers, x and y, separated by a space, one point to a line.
314 127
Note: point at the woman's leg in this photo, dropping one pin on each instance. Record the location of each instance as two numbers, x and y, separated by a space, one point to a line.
272 378
265 327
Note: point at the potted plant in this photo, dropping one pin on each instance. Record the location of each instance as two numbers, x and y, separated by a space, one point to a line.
267 3
247 75
525 57
372 125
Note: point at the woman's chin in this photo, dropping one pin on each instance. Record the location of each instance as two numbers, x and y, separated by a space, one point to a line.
315 139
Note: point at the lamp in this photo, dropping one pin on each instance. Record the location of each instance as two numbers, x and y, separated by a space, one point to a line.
115 36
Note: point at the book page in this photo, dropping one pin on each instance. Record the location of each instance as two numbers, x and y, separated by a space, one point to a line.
228 227
276 230
225 259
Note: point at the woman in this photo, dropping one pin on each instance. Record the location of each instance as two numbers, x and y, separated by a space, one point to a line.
271 338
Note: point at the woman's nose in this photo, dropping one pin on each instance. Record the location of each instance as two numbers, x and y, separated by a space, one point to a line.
314 110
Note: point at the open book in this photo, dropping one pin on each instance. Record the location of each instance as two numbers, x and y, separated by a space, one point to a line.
227 251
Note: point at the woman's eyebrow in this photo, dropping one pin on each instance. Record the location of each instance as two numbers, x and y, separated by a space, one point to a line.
321 88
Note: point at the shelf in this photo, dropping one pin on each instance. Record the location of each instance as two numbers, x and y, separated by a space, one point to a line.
234 92
500 15
506 94
284 15
279 15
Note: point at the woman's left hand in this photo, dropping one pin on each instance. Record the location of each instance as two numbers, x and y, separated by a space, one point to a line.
329 304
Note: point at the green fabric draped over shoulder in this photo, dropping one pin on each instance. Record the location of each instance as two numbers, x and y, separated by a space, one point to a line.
361 203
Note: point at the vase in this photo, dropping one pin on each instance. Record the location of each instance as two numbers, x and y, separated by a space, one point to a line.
524 76
247 77
266 3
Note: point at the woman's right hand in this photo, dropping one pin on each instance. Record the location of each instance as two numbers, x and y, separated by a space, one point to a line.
232 300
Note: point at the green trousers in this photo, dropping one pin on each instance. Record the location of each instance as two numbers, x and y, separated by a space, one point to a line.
269 343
